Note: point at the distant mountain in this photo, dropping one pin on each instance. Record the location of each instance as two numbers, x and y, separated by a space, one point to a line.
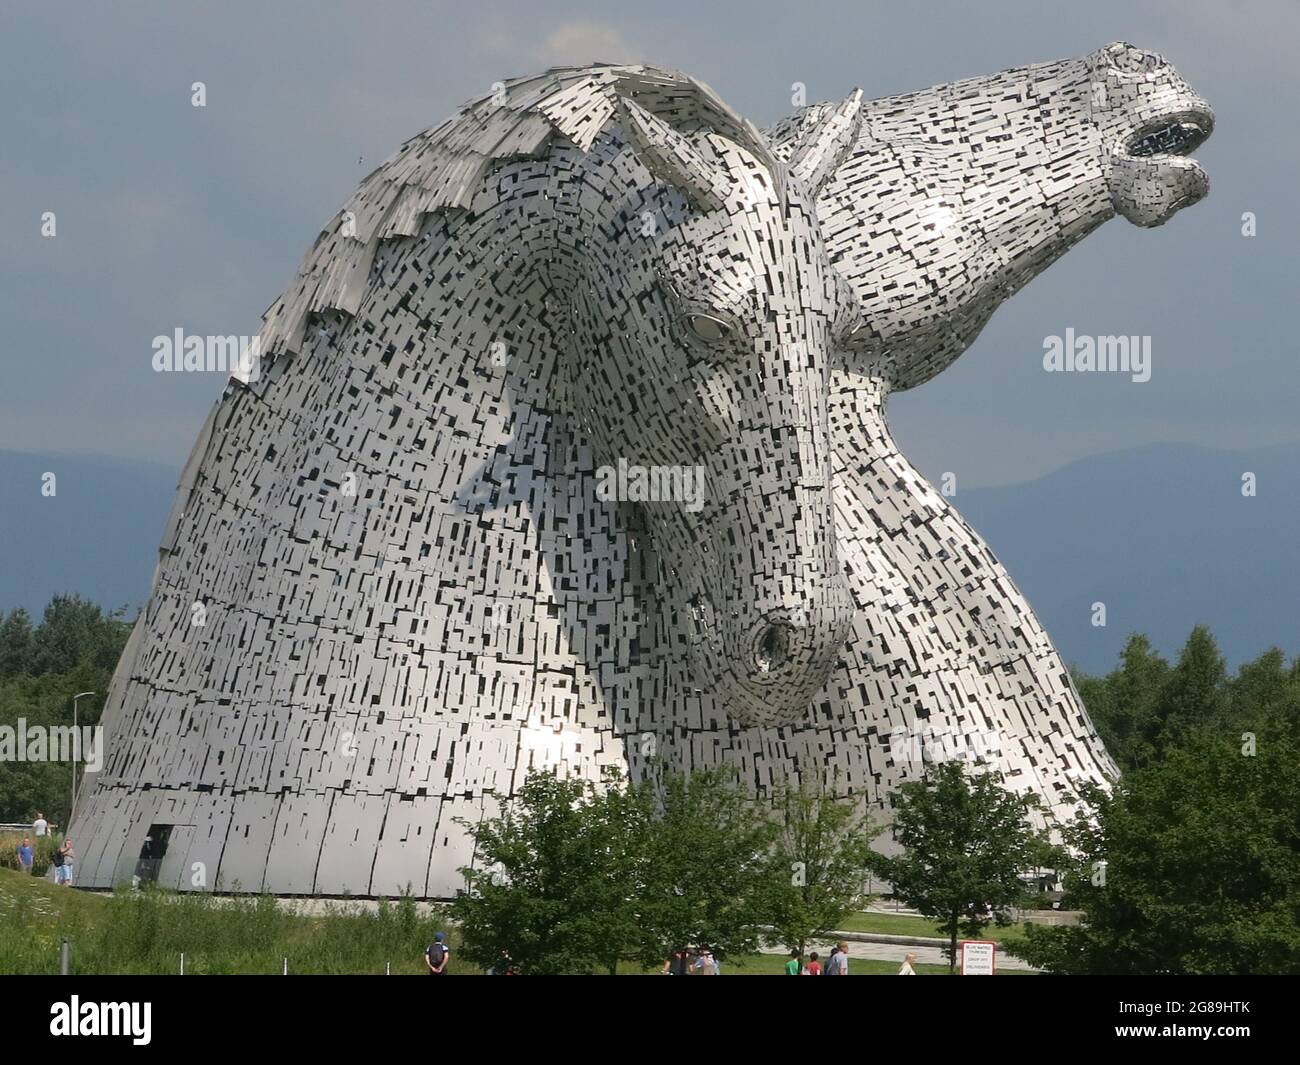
1161 534
1164 537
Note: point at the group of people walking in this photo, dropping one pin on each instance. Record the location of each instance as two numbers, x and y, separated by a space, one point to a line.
692 961
836 965
62 858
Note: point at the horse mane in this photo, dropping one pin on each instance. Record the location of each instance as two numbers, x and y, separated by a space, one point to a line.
441 170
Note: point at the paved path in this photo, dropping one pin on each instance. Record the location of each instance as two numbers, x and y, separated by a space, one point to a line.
896 952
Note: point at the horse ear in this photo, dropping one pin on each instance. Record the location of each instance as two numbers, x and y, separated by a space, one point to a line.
671 158
820 149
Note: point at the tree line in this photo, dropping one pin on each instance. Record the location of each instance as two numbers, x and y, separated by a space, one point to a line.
573 877
1191 865
74 648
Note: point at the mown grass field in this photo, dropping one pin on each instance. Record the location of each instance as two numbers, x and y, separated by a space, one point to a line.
905 925
892 924
145 933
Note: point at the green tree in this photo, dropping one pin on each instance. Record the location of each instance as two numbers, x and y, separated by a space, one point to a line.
571 877
1144 706
557 873
1194 694
15 643
965 841
1192 865
1125 705
75 632
1266 688
821 861
45 701
708 867
75 649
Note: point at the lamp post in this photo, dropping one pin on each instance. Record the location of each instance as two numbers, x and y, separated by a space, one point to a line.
76 746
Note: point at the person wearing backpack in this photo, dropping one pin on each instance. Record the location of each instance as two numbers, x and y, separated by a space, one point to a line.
438 954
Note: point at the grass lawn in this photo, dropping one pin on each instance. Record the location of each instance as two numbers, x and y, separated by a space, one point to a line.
145 933
904 925
892 924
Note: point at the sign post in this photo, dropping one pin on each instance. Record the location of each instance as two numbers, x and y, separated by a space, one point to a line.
978 957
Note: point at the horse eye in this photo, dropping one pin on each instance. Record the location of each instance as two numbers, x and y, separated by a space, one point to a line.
708 329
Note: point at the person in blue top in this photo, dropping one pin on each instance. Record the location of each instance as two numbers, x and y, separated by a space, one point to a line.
438 954
25 855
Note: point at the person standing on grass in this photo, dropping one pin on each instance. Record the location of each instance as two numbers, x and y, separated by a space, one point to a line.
794 967
907 969
25 856
40 826
838 963
438 954
63 863
814 965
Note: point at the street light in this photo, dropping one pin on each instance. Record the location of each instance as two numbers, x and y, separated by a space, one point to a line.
76 746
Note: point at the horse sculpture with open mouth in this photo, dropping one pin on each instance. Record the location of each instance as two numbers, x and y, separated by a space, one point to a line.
392 585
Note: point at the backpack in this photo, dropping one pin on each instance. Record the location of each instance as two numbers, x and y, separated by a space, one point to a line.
57 860
437 953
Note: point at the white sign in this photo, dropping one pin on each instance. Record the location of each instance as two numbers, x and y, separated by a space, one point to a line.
978 957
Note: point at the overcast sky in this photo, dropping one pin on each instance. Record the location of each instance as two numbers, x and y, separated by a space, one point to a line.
170 216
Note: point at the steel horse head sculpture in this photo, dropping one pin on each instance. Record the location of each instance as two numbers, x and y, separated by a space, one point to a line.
567 448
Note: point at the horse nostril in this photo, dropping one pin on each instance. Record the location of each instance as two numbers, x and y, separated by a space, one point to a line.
773 648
